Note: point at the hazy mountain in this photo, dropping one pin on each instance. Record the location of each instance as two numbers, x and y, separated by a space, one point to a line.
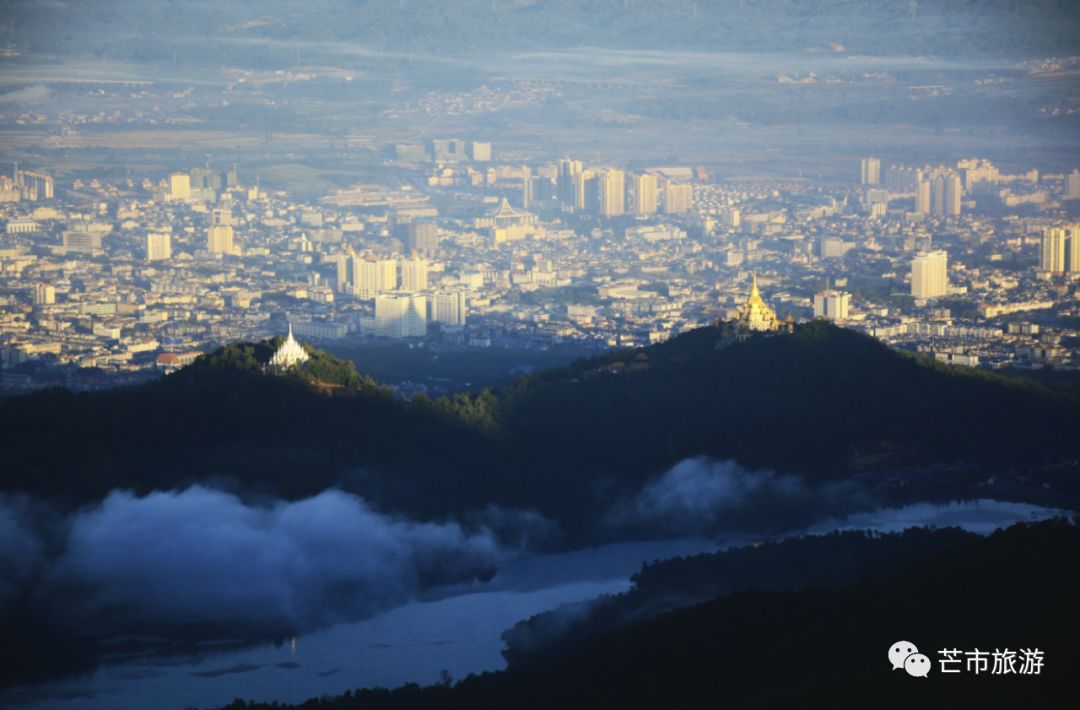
212 32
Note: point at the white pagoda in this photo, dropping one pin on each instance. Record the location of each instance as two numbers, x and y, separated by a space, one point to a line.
290 354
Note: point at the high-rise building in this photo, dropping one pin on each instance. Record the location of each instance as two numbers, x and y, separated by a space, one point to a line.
414 273
341 270
44 294
1072 250
423 238
678 197
449 308
526 187
645 194
1055 240
922 197
179 187
937 196
901 178
870 171
976 173
354 265
400 315
612 193
946 191
219 237
832 305
449 150
567 183
953 192
587 191
1072 185
33 186
205 184
930 275
876 197
540 193
480 152
230 178
158 246
371 277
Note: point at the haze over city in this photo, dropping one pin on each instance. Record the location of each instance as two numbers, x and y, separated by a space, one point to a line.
350 345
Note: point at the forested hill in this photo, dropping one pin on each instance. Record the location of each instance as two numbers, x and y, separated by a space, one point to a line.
822 402
815 647
819 401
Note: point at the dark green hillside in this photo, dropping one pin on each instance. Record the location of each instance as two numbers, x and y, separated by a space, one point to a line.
823 402
223 420
816 647
830 561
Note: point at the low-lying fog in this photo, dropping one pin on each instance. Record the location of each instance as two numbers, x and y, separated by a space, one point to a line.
383 600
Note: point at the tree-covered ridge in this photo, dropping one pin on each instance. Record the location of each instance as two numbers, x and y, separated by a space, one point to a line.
815 646
818 401
322 370
827 561
822 402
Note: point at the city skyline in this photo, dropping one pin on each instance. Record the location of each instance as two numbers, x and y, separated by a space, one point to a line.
510 353
337 261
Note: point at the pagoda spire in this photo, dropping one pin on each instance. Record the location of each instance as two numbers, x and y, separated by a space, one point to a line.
755 314
289 354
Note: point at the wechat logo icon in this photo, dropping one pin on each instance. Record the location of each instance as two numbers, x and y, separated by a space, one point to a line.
904 655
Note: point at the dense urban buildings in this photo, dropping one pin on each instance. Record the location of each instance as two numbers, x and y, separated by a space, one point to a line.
390 354
947 260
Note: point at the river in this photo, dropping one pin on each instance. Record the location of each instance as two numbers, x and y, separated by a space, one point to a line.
452 629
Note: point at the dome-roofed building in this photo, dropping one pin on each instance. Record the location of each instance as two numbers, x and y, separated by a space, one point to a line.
290 354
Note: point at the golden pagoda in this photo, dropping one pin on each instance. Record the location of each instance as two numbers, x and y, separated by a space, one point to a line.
755 315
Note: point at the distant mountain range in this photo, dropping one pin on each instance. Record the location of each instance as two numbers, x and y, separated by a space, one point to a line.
216 33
